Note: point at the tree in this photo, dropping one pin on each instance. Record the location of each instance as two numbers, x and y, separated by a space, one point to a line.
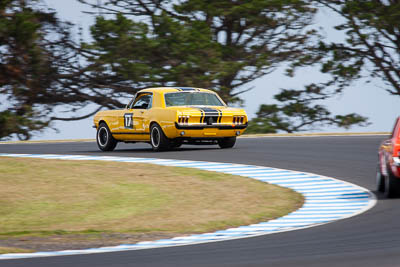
222 45
369 51
372 45
298 112
212 44
36 61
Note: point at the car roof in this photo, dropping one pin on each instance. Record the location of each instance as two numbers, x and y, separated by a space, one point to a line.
175 89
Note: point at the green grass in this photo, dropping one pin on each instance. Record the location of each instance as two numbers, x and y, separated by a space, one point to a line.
59 197
5 250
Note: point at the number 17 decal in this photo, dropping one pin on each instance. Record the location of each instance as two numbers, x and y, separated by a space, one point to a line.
128 120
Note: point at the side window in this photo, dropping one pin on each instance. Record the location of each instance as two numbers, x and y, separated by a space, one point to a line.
142 102
129 105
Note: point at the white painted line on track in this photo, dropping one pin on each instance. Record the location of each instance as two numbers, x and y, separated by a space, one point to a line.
326 200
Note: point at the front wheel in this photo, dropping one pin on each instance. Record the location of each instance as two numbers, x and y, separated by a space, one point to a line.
158 140
105 141
227 142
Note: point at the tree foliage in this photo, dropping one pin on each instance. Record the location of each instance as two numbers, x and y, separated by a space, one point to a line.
34 59
218 44
221 45
213 44
298 111
372 45
369 51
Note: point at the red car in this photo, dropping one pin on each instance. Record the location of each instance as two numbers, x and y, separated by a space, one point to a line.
388 169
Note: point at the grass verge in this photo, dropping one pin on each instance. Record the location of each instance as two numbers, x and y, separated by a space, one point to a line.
61 204
5 250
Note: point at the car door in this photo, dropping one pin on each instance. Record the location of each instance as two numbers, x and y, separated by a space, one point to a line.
140 109
122 127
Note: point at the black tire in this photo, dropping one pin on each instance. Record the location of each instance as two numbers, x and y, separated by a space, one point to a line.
391 185
380 179
104 138
158 140
227 142
176 143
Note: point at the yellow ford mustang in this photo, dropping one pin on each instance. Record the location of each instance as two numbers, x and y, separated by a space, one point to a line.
169 117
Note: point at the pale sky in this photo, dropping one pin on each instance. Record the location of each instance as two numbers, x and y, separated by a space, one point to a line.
370 100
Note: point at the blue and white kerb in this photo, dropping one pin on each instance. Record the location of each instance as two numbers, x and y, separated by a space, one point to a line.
326 200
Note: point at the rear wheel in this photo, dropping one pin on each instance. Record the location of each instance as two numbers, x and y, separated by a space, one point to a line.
380 179
105 141
391 185
176 143
227 142
158 140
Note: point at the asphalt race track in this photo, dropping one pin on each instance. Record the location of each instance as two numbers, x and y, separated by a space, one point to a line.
370 239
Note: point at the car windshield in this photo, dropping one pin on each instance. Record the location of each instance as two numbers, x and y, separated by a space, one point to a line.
192 99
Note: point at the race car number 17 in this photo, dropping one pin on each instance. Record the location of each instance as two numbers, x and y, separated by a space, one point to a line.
128 120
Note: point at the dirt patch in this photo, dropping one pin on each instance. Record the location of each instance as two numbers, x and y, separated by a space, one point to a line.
78 241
